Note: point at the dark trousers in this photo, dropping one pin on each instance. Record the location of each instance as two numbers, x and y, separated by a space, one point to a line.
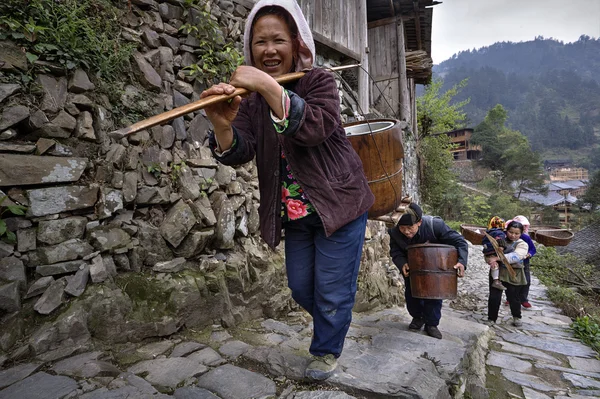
429 310
514 294
322 273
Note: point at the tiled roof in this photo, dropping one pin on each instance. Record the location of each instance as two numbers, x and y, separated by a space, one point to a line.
556 186
584 244
566 185
577 183
550 199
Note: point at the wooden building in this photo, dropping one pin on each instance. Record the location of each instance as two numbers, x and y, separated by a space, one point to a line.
390 38
463 148
399 54
564 174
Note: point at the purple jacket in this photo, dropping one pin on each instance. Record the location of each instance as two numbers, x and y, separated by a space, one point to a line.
316 148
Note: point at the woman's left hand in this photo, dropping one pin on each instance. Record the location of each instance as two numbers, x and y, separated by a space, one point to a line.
460 269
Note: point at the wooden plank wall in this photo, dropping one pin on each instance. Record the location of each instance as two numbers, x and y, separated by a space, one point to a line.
335 20
383 64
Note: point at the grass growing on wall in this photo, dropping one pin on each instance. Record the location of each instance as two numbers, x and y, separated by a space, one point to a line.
70 33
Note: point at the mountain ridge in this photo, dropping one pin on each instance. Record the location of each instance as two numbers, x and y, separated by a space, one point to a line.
550 89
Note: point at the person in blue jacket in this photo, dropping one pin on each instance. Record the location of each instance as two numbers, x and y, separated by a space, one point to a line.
416 228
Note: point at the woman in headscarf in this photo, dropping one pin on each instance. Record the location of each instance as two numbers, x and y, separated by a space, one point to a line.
515 252
311 180
531 251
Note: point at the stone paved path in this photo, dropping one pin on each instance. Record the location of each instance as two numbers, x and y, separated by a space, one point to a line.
381 358
540 360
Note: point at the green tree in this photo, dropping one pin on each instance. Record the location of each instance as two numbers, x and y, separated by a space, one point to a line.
592 194
435 111
595 158
438 180
487 135
437 114
520 165
508 152
476 210
506 206
549 216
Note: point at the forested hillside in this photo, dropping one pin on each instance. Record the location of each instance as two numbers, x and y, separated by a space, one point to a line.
550 90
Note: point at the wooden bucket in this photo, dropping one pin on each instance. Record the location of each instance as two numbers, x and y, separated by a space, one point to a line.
432 275
378 143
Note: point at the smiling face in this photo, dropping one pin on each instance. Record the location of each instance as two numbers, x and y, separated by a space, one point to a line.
272 45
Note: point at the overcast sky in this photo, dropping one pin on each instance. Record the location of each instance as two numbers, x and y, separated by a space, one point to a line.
466 24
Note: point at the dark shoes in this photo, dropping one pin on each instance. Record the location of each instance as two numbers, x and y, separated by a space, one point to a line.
433 331
416 324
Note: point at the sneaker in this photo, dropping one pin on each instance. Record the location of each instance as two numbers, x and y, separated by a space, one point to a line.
321 368
433 331
498 285
416 324
517 322
526 304
489 323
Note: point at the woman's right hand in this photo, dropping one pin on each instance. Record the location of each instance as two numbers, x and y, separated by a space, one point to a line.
222 114
405 270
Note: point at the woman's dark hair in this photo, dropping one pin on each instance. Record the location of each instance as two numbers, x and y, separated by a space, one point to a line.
516 224
280 12
287 18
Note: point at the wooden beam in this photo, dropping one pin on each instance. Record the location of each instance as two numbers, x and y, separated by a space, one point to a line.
363 78
335 46
404 96
387 21
417 24
378 79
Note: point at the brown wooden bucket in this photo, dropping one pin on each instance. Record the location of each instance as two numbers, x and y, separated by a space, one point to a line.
378 143
432 275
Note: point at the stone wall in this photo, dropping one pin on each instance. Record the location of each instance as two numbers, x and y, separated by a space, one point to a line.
134 238
469 172
410 180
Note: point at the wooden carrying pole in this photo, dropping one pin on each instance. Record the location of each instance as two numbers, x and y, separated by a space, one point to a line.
500 255
197 105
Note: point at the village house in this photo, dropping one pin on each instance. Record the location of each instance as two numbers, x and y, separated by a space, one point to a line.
463 148
572 173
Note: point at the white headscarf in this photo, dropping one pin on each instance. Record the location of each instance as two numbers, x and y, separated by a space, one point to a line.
306 48
521 219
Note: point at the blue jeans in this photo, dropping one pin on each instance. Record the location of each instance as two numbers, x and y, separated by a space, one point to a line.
322 273
429 310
